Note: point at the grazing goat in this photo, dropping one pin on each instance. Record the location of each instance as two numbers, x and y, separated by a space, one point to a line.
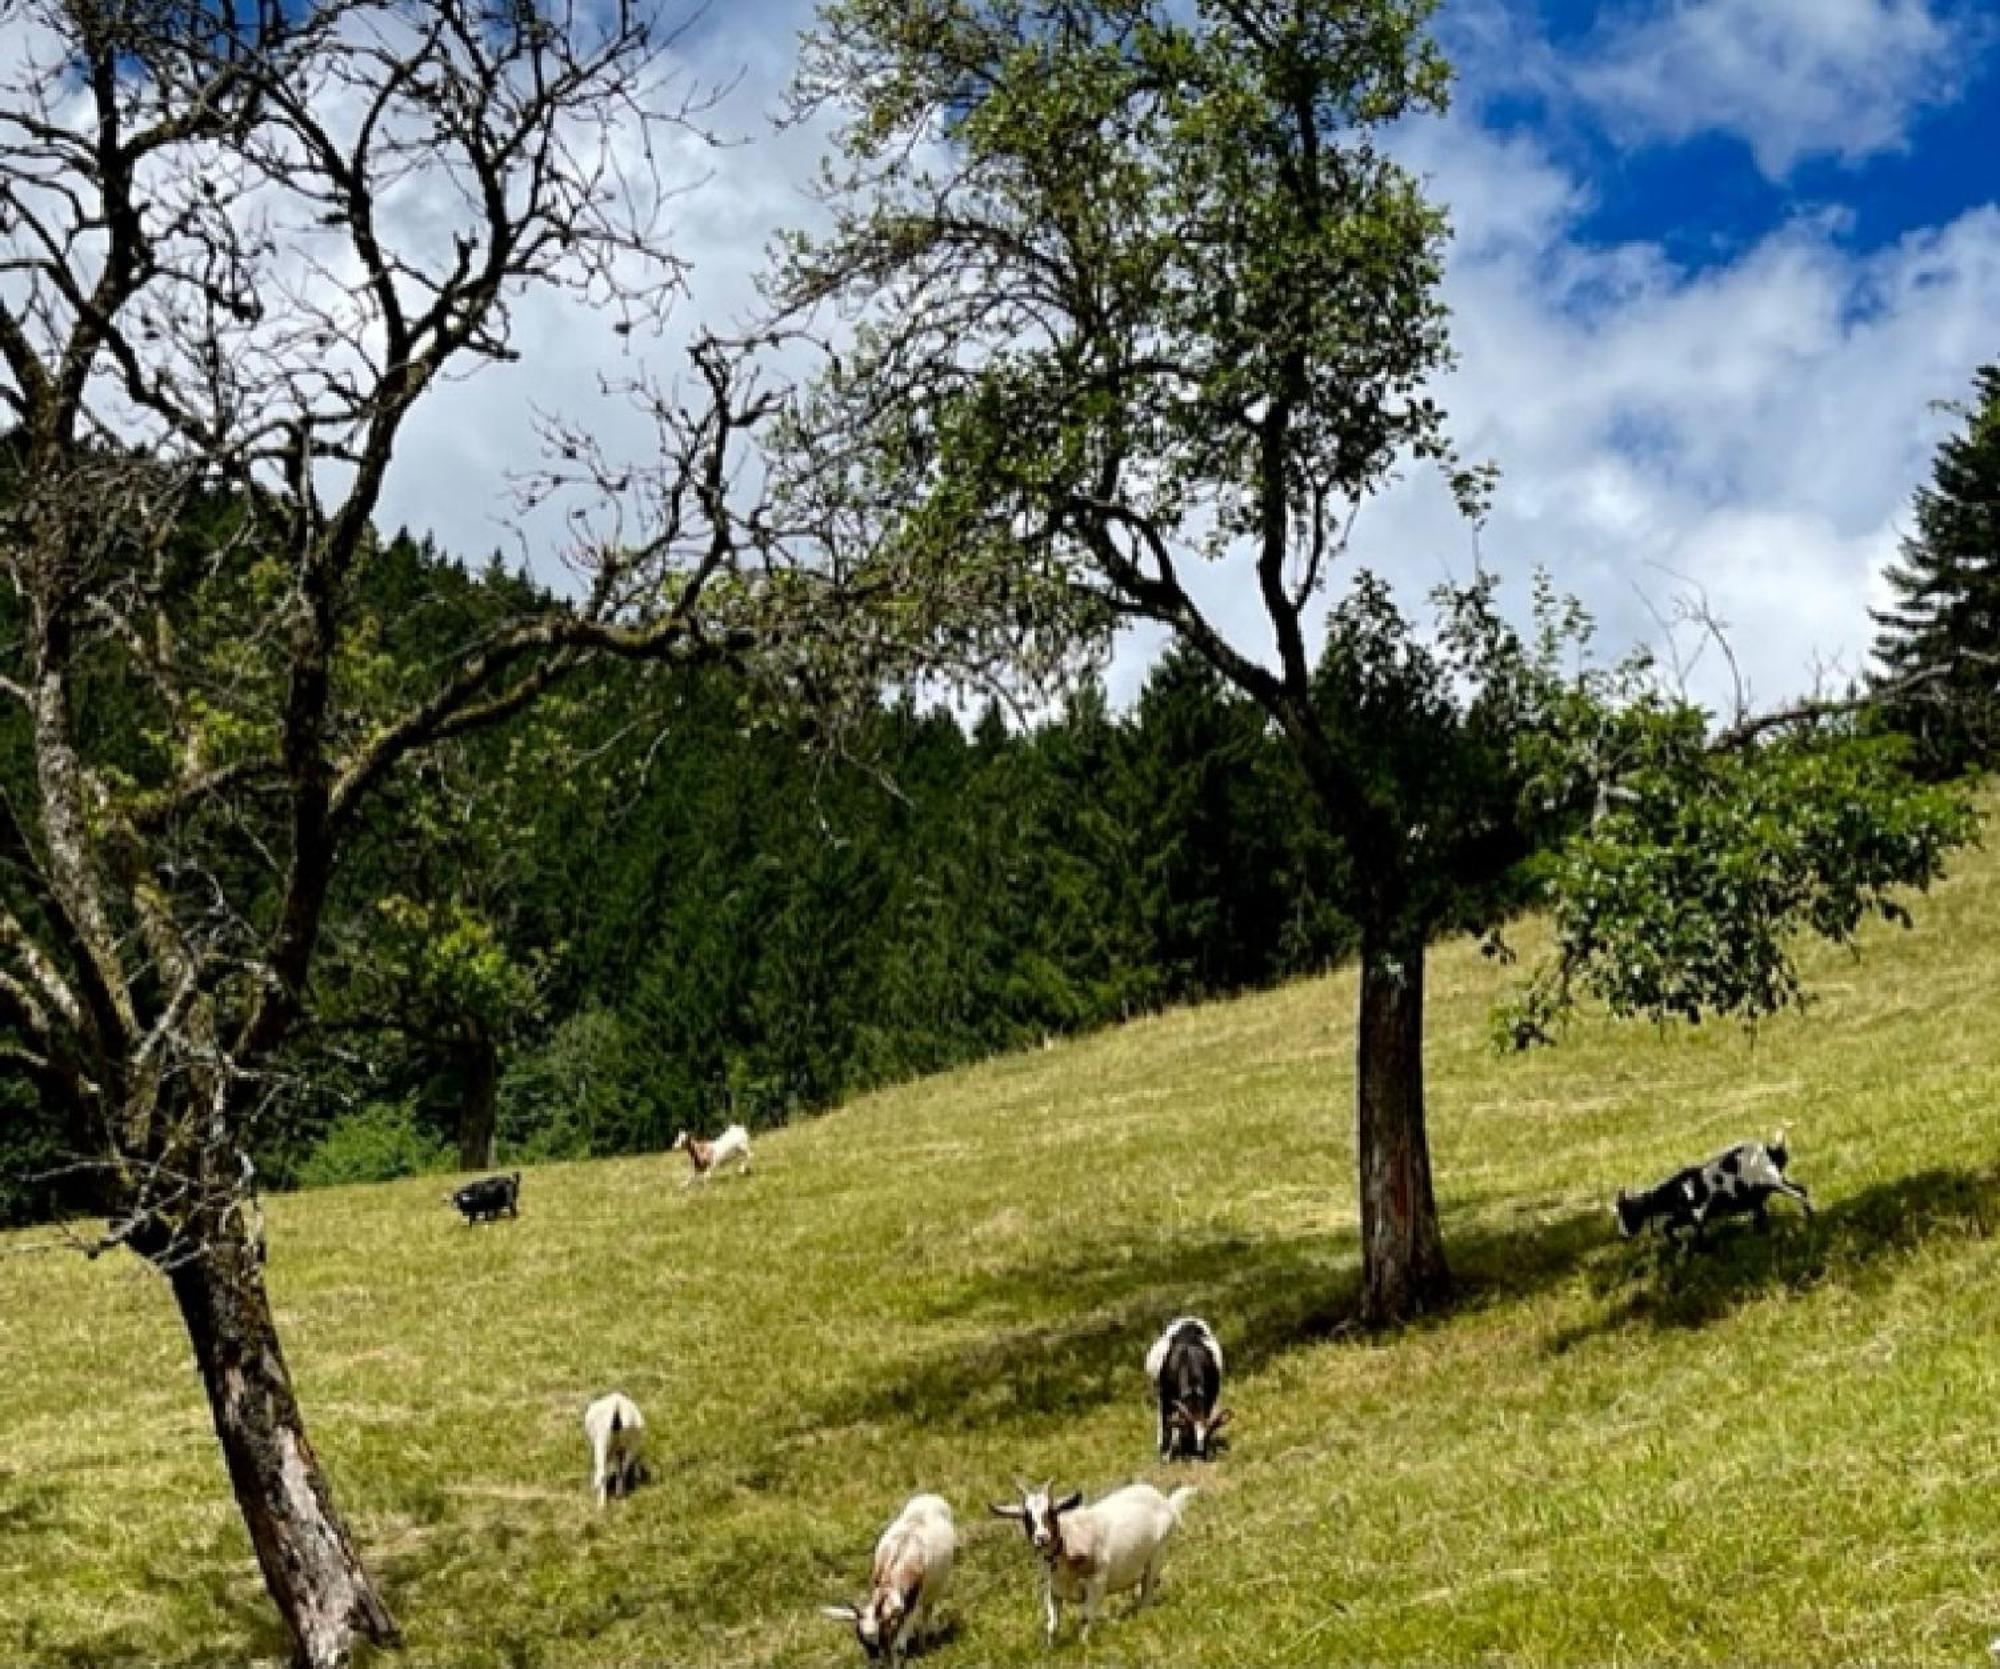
1185 1366
704 1157
1088 1552
488 1197
617 1434
1742 1179
912 1569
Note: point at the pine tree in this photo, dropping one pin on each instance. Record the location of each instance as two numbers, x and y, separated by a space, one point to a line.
1939 645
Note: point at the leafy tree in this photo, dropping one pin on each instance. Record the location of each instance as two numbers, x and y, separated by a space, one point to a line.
1939 643
434 949
1140 289
1707 856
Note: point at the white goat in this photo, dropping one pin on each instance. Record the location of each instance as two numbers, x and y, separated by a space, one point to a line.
704 1157
617 1434
912 1569
1089 1552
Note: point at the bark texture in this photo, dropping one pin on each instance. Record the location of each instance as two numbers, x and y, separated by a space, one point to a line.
314 1574
479 1061
1403 1270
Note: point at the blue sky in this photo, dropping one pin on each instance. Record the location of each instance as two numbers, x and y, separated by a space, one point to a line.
1920 150
1716 263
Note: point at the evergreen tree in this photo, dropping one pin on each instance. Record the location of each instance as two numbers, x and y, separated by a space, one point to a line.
1939 644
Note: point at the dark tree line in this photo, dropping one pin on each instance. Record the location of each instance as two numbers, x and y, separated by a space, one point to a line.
641 906
756 929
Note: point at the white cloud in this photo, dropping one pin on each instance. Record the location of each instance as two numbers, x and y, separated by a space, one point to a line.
1792 78
1754 428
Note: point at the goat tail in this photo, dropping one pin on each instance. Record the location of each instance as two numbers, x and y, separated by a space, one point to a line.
1177 1502
1777 1149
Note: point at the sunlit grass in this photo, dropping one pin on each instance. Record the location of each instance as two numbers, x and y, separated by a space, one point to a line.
1786 1451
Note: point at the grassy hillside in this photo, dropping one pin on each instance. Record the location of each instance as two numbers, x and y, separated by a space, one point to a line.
1787 1450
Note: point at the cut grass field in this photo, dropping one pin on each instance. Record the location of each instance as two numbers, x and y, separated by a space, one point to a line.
1787 1450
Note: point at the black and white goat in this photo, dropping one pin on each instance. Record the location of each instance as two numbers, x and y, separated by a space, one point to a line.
1185 1367
488 1197
616 1432
1742 1179
1105 1548
907 1584
705 1158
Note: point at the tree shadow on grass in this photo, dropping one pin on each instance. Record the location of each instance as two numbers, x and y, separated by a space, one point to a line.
27 1504
1264 1295
1269 1295
1853 1242
224 1602
1261 1294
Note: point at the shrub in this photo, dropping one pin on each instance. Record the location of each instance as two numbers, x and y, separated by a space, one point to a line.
378 1142
576 1096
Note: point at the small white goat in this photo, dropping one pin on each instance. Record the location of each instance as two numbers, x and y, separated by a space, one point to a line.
617 1434
704 1157
1089 1552
912 1570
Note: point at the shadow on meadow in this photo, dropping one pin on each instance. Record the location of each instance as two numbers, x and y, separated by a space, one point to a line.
1265 1296
223 1600
1848 1242
27 1505
1270 1295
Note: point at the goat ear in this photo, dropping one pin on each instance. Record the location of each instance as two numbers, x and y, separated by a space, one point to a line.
1008 1509
1221 1420
840 1613
1069 1503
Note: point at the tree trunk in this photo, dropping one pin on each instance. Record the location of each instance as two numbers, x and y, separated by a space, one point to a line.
310 1567
1403 1269
479 1060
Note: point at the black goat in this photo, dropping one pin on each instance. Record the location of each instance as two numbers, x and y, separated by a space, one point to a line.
485 1199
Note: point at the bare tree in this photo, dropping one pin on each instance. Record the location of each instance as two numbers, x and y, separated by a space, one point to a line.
239 244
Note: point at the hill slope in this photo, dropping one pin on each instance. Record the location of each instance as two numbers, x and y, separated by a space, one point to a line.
1787 1450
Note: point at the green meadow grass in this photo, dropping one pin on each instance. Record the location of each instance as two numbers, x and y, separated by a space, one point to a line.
1788 1450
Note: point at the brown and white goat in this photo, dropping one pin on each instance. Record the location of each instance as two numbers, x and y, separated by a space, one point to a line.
912 1569
705 1157
1105 1548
